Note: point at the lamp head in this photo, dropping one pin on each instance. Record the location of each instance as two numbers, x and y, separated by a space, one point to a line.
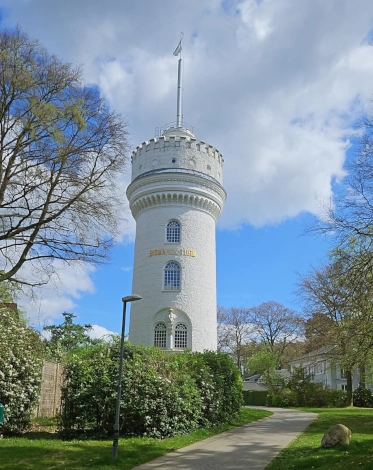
131 298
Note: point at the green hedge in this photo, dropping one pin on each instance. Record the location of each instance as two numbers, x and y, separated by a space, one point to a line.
315 396
162 394
255 397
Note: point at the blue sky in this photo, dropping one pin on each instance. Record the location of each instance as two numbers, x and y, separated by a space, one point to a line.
277 87
253 266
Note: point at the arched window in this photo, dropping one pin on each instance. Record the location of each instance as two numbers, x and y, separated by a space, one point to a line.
173 232
160 335
181 336
172 276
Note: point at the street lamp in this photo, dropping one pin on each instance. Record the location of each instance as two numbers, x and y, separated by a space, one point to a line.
129 298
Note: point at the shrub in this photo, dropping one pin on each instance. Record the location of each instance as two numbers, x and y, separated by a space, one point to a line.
255 397
363 397
220 385
162 394
302 386
324 397
305 392
160 399
302 391
21 353
336 398
88 392
285 397
317 396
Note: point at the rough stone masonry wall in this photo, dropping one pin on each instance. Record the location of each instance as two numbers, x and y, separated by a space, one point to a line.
50 395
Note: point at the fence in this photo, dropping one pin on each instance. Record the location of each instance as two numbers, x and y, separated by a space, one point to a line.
50 395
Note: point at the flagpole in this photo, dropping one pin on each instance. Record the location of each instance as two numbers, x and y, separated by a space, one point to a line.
179 115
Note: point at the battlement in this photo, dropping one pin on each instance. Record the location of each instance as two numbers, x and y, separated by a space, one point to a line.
164 143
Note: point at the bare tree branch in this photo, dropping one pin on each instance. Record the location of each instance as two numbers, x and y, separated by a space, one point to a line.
276 325
234 332
62 152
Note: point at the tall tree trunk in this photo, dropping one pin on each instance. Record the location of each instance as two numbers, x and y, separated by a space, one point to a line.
238 359
362 375
349 387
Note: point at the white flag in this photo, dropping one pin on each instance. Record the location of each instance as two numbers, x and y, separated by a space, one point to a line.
178 49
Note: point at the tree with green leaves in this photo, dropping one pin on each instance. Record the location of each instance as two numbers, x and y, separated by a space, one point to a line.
340 307
266 362
347 280
62 153
66 337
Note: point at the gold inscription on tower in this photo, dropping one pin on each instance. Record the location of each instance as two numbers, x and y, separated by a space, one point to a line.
173 251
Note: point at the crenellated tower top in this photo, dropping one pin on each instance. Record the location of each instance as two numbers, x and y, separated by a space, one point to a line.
176 151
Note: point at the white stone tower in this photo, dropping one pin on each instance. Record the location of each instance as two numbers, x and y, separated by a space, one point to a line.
176 196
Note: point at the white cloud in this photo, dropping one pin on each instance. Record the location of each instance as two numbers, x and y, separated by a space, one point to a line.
48 302
116 83
276 86
100 332
256 20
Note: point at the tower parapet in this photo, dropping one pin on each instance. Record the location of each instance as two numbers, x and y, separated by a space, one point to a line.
175 151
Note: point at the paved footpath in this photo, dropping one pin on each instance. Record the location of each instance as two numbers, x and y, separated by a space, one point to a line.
250 447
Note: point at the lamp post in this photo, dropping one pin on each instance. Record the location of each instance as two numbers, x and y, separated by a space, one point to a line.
129 298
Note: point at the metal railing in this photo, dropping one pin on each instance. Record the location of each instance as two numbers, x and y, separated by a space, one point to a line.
172 125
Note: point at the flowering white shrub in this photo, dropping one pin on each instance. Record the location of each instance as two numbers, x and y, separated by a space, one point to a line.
21 354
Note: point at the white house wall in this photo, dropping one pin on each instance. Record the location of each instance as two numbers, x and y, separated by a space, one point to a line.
330 375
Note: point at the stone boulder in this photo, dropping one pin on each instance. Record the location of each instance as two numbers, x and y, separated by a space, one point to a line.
336 435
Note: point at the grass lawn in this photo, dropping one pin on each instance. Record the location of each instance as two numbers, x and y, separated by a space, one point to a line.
305 453
44 450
